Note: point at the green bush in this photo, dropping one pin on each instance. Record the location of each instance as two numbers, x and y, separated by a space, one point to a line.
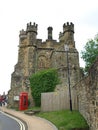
43 81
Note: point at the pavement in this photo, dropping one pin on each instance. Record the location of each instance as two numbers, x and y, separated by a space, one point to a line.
33 122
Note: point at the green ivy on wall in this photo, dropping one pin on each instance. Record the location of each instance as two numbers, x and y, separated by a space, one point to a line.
43 81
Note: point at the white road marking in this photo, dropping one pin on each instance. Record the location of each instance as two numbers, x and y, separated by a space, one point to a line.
22 126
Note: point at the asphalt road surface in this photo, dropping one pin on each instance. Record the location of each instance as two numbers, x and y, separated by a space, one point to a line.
9 123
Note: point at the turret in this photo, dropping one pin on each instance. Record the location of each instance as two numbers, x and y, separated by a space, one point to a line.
68 27
22 33
32 28
22 36
31 33
68 34
49 33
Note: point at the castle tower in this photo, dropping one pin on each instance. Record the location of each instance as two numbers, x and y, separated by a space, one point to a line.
35 55
31 33
68 34
22 35
50 33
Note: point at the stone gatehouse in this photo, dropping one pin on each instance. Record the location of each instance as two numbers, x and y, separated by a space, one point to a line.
35 55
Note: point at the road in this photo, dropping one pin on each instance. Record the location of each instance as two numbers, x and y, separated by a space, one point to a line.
8 122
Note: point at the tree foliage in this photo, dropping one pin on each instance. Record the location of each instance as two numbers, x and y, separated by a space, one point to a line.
43 81
90 52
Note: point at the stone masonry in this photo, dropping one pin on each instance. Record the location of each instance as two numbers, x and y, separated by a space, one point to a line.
35 55
87 94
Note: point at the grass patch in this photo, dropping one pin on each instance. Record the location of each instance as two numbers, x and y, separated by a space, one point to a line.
34 108
65 119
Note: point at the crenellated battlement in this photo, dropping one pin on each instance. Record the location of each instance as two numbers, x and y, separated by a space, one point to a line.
22 33
68 27
31 28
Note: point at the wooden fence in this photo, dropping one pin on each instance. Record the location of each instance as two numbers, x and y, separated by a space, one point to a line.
54 101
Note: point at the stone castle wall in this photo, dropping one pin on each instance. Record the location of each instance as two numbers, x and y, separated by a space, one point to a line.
87 93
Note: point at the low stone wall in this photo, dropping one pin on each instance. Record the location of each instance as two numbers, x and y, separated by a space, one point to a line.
87 95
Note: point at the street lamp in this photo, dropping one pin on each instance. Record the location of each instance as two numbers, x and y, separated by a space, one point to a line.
67 50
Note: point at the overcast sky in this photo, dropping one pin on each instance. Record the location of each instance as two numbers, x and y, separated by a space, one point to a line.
15 14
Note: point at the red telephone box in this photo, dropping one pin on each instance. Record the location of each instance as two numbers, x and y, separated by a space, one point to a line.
23 101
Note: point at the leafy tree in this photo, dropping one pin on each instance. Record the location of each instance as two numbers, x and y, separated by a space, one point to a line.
43 81
90 52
